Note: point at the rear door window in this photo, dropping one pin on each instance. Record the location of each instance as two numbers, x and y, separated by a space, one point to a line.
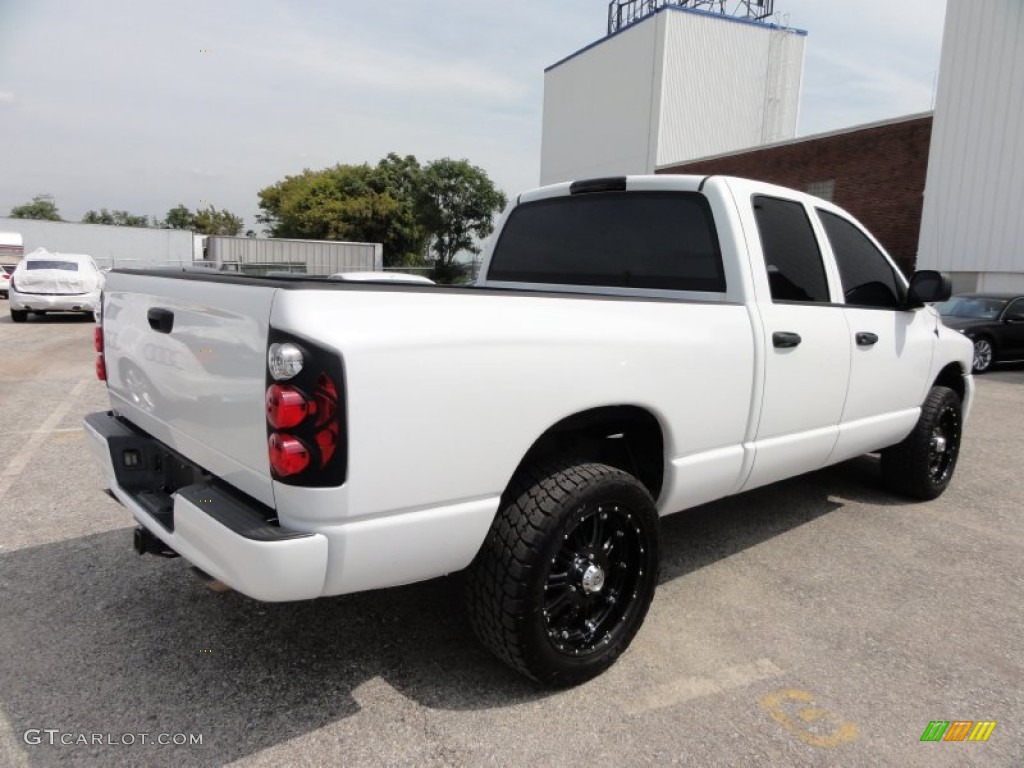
791 254
653 240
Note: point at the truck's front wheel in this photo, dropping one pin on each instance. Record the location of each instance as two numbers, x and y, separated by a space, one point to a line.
567 572
922 465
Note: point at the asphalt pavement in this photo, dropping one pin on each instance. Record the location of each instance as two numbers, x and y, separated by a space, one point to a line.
819 621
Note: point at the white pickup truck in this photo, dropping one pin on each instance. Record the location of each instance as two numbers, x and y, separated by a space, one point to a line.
635 346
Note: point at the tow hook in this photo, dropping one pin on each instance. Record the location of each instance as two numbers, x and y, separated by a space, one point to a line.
146 542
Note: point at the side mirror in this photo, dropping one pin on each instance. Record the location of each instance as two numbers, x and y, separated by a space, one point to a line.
928 286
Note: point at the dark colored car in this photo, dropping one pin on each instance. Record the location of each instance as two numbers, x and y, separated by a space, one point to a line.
5 278
993 321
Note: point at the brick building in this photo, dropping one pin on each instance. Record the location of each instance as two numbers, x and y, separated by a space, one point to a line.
876 172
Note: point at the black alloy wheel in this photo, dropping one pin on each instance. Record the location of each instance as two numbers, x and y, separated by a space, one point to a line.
944 444
567 572
592 582
922 466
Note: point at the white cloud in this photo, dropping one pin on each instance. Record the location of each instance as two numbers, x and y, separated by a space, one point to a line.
143 120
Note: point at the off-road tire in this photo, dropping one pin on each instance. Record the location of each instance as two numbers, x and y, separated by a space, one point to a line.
917 467
550 517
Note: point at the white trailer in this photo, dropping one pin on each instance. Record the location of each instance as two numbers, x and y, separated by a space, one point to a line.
313 257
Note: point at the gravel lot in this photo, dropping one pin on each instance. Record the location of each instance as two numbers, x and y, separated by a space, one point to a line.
819 621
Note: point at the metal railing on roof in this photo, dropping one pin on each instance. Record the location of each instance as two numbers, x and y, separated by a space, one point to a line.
622 13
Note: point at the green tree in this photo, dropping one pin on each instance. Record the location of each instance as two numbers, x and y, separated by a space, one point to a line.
456 204
115 218
41 207
210 221
360 203
443 208
179 217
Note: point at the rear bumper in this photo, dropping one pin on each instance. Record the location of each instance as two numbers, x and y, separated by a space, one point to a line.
231 537
85 302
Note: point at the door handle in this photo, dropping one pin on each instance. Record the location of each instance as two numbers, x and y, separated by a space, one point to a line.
865 339
160 320
785 339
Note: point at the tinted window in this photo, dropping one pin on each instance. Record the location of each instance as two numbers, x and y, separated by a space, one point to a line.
977 307
868 279
620 239
67 266
791 254
1017 308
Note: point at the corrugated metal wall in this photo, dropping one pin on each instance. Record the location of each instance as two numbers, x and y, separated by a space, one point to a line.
727 85
109 246
679 85
972 220
598 117
316 257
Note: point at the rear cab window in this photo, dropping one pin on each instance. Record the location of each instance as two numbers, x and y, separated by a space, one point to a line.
649 240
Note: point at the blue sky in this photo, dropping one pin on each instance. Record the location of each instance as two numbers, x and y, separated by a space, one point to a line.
112 103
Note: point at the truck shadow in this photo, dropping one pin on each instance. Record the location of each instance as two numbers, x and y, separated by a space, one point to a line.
702 536
98 640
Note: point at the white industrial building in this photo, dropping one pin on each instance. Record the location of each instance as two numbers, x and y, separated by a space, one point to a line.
972 225
110 246
671 82
147 248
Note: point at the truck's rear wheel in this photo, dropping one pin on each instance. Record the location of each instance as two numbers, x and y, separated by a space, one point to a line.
567 572
922 465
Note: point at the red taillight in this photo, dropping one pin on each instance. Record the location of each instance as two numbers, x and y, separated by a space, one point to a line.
288 456
305 414
286 406
327 441
326 398
97 343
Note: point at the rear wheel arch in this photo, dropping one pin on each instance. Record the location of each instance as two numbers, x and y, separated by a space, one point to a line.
628 437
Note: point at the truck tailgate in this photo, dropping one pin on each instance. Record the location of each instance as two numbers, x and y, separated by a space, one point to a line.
186 362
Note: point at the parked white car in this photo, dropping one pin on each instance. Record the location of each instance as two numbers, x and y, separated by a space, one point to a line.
6 270
54 282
